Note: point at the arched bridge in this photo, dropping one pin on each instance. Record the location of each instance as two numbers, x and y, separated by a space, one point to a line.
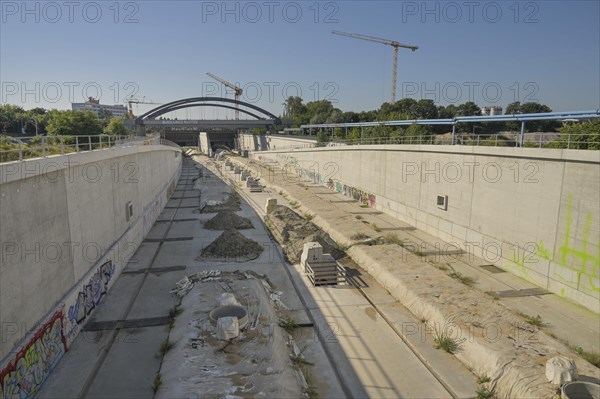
222 131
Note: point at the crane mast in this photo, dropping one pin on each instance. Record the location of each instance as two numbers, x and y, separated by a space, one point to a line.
395 46
237 90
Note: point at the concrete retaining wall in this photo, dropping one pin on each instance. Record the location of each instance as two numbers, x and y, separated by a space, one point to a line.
532 212
255 142
65 237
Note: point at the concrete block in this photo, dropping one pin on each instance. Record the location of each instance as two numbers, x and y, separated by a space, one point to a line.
270 206
228 328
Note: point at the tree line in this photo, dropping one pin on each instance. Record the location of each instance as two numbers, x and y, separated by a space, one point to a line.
39 121
583 135
323 111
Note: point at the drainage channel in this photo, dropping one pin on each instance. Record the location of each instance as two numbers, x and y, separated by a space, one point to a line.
117 325
257 207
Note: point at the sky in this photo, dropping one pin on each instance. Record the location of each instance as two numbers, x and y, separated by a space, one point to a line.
53 53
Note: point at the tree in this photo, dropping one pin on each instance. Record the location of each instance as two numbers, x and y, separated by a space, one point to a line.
530 126
116 127
104 114
73 123
10 118
582 136
294 108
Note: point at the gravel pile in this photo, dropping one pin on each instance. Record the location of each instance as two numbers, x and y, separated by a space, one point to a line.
231 246
227 220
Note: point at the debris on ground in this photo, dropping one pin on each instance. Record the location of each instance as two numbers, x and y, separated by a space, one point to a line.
226 220
293 231
231 246
232 203
185 285
259 362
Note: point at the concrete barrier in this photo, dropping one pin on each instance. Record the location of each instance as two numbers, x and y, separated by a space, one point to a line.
69 225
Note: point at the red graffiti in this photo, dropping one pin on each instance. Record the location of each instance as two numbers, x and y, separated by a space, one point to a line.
25 374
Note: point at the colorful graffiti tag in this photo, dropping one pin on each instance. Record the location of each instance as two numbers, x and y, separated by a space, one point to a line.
91 293
31 366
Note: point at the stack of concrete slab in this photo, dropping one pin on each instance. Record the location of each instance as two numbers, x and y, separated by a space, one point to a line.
321 268
254 185
245 174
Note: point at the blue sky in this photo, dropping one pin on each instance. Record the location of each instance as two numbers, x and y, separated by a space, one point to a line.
492 52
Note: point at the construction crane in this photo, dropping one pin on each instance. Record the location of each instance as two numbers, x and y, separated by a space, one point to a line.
395 45
237 90
132 100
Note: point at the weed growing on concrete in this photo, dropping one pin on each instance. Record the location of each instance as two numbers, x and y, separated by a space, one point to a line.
393 239
375 227
299 359
533 320
359 217
166 346
341 247
466 280
173 313
294 205
441 266
308 217
157 382
423 320
484 393
591 357
288 325
482 379
444 341
311 391
359 236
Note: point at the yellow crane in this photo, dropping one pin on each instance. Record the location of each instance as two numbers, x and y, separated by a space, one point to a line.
395 45
237 90
132 100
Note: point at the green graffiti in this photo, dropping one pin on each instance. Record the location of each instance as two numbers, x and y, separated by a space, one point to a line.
590 263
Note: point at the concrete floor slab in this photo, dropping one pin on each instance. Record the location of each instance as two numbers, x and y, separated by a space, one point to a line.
143 256
155 299
131 365
115 304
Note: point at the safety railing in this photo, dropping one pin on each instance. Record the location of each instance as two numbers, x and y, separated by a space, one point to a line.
21 148
586 141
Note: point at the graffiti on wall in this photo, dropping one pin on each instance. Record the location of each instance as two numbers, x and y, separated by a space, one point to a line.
582 260
24 375
90 295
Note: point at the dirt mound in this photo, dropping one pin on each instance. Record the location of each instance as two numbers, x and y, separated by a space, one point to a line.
231 204
227 220
231 246
293 230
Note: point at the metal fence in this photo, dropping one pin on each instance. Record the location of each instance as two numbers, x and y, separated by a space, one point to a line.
589 141
21 148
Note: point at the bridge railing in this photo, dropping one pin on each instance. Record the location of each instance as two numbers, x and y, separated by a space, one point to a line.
21 148
588 141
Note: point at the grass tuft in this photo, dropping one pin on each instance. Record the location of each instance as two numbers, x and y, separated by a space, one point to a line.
157 382
533 320
444 341
288 325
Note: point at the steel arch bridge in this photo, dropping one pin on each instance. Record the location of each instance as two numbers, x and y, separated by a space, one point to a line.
260 114
186 131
